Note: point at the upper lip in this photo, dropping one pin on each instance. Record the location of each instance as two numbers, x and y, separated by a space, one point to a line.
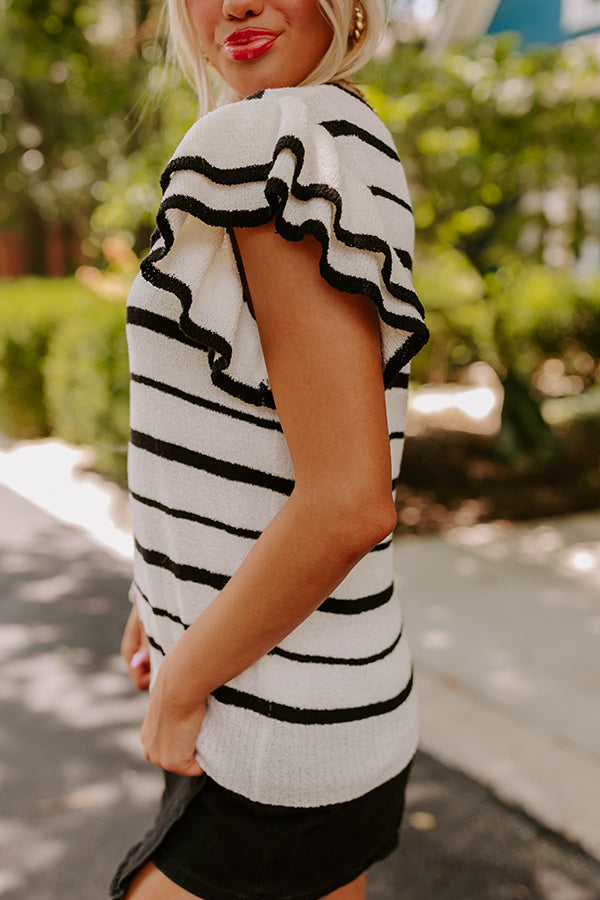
245 35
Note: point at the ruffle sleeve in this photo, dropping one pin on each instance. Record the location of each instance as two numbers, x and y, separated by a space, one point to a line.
315 160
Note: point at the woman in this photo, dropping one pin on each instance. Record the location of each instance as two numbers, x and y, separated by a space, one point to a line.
270 332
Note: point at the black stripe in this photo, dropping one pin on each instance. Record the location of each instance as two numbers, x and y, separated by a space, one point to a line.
278 651
231 697
234 175
402 380
260 94
182 571
241 271
383 546
260 396
218 348
222 468
353 607
344 128
158 611
396 436
187 572
276 193
351 93
337 660
381 192
194 517
405 258
159 324
154 237
271 424
155 644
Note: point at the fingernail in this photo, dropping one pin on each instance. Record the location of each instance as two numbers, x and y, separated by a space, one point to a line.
139 659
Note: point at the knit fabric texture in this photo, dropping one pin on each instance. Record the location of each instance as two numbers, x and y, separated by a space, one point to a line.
330 713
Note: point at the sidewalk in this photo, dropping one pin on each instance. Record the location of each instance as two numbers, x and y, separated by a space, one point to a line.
505 628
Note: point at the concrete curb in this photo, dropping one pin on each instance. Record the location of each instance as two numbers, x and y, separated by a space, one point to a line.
550 779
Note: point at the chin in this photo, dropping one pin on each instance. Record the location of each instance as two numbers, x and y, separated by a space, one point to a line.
246 83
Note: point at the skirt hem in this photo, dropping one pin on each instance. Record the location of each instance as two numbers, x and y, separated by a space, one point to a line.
218 845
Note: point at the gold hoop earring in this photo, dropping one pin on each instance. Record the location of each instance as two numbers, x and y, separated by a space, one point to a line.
358 25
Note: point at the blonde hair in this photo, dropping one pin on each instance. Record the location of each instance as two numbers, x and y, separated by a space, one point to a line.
343 58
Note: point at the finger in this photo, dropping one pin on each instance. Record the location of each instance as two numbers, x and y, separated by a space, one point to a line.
141 680
195 768
169 757
170 763
189 767
132 634
140 659
139 669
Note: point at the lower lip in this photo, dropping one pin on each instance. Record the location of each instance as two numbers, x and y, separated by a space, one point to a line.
252 50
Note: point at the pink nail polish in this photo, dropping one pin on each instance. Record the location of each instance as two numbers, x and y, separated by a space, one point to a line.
139 659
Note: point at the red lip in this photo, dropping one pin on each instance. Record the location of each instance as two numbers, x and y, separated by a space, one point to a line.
246 35
248 43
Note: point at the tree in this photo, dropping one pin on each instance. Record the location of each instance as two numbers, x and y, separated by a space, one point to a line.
71 74
502 151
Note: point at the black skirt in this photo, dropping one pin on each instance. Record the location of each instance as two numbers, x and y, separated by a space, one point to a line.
220 846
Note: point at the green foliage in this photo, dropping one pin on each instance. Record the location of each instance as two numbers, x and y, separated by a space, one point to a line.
30 312
502 148
130 196
514 319
502 152
63 367
73 77
577 408
86 384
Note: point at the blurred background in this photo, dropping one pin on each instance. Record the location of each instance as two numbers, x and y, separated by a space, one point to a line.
499 133
495 109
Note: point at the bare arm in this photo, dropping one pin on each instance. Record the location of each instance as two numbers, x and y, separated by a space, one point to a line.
323 356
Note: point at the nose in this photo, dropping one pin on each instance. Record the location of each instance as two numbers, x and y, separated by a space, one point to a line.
241 9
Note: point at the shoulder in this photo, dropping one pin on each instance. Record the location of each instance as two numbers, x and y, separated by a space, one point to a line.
319 101
314 161
244 132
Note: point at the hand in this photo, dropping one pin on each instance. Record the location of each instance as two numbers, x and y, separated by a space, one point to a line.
171 727
135 651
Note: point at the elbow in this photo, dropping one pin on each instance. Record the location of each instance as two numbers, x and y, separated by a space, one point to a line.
365 521
350 520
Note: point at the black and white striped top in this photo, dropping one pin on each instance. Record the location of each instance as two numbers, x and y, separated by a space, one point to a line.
330 713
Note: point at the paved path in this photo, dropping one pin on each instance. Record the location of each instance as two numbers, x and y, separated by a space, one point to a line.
505 628
73 780
75 791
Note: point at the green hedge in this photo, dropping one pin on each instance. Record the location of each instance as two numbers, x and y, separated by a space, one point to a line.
63 357
30 312
63 367
515 318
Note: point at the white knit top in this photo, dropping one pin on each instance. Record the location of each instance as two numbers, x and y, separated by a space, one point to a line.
330 713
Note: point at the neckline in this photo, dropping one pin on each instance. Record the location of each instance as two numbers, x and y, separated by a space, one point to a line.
357 93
